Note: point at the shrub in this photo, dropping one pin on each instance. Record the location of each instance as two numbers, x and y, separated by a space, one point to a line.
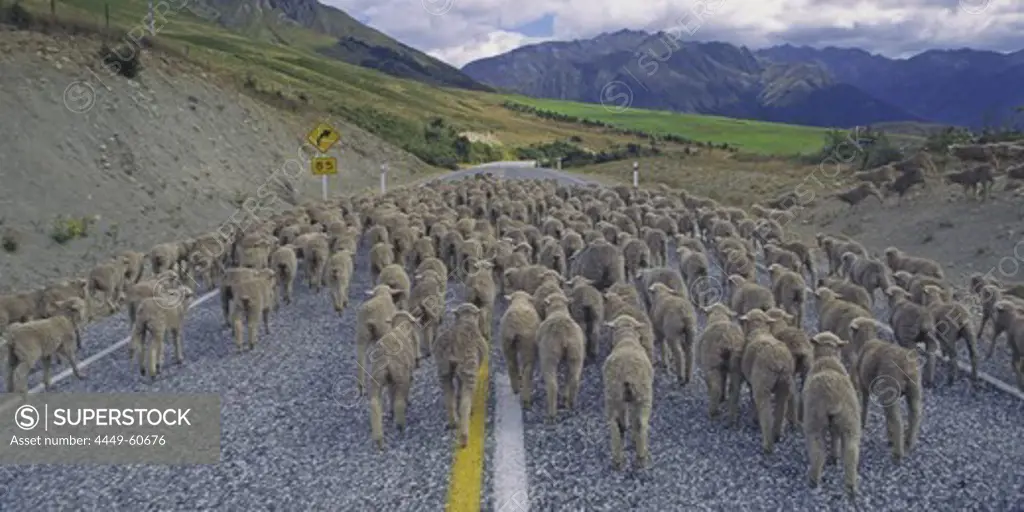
18 16
10 241
123 61
66 229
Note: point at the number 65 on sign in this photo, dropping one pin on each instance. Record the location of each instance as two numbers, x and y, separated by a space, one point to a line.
324 165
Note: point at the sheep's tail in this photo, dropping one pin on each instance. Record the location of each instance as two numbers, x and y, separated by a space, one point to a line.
375 333
282 271
629 394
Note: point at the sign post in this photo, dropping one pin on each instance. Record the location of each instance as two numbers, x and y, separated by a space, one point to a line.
322 138
636 174
383 178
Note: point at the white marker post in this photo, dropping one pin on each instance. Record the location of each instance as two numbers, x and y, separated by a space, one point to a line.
636 174
323 187
383 178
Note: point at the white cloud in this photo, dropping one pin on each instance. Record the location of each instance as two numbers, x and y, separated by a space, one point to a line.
458 31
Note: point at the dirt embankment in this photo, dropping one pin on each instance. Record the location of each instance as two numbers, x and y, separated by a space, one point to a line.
169 155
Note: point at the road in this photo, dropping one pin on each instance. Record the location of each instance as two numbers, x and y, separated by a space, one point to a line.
295 436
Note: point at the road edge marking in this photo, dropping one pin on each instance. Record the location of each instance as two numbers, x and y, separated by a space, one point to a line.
511 489
465 484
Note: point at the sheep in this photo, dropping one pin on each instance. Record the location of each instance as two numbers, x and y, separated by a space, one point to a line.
109 278
952 323
436 265
799 344
587 309
373 320
911 324
736 263
316 251
721 347
392 368
831 406
971 178
774 254
426 303
656 240
402 240
571 243
480 291
381 256
916 283
768 367
867 272
470 251
668 276
890 372
803 252
518 331
284 261
378 235
17 308
158 316
847 291
1009 318
693 266
135 293
834 250
789 291
748 295
251 302
526 278
395 277
165 256
422 249
552 256
636 256
616 305
835 316
628 378
459 352
134 265
675 325
904 182
856 195
44 339
550 284
559 338
339 276
899 260
600 262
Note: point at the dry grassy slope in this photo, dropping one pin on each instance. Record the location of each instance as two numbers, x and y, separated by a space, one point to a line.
966 236
165 157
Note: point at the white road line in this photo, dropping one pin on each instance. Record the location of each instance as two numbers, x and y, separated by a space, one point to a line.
509 474
101 354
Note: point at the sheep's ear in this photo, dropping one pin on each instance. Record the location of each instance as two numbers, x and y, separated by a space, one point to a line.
609 324
370 292
745 317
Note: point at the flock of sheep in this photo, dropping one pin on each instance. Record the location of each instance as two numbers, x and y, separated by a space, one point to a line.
586 276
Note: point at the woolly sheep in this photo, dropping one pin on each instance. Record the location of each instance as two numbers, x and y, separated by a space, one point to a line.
551 284
373 320
668 276
636 256
426 303
381 255
859 193
518 333
904 182
775 255
867 272
600 262
378 235
721 348
339 276
422 249
434 264
481 291
1009 318
552 256
108 278
391 367
675 326
890 372
847 291
835 248
969 179
952 323
165 256
911 324
916 283
657 241
159 316
134 265
587 309
789 291
284 261
835 316
898 260
316 251
459 351
831 406
616 305
768 367
251 302
57 336
135 293
798 342
628 378
402 240
17 308
559 338
747 295
526 278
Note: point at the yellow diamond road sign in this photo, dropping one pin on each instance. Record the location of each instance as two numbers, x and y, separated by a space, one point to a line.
323 137
324 165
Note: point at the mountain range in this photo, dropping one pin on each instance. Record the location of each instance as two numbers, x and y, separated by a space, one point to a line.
839 87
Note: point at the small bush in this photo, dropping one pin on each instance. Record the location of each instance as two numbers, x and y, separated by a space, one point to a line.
18 16
124 61
10 241
66 229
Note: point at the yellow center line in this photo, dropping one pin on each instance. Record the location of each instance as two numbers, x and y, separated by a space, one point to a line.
466 481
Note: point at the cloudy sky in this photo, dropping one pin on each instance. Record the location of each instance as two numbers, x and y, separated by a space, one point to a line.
459 31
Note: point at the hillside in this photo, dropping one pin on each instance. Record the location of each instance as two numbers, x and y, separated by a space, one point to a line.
705 78
341 37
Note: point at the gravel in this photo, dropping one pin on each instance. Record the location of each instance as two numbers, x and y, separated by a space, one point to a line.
295 435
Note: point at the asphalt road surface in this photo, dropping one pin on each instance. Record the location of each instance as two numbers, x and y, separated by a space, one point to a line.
295 436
